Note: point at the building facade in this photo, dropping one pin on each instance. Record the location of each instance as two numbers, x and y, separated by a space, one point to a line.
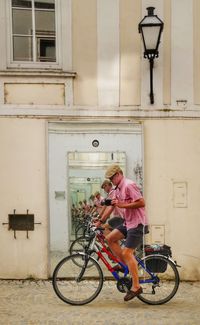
74 89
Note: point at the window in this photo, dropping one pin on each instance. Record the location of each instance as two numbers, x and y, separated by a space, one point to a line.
33 31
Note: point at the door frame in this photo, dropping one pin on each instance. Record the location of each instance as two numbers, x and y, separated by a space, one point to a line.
91 130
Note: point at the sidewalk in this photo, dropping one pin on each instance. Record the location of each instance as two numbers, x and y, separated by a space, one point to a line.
35 303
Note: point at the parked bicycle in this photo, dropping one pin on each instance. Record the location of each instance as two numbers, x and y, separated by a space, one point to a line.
78 278
82 221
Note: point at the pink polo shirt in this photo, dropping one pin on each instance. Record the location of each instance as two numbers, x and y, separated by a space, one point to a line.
128 191
117 212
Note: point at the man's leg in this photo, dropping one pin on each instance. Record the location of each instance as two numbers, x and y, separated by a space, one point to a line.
113 242
130 260
107 229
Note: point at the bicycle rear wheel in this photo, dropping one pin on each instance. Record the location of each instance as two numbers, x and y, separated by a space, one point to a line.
74 282
165 283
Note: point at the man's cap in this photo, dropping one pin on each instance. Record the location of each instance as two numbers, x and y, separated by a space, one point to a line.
96 193
112 170
106 182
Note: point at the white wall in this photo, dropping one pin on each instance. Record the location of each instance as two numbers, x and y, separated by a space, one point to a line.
182 52
172 158
23 186
108 52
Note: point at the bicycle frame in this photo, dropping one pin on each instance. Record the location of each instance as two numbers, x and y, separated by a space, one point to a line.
100 247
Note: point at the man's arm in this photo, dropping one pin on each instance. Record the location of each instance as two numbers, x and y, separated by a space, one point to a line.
140 203
104 216
107 212
102 211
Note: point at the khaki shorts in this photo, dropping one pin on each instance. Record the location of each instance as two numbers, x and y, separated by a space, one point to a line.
115 222
134 236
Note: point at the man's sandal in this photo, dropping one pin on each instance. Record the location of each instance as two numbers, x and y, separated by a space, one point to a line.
132 294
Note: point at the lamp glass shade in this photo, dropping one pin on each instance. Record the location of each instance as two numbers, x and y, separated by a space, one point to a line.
151 35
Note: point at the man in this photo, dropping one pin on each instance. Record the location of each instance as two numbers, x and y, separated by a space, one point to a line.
129 198
86 206
97 201
116 214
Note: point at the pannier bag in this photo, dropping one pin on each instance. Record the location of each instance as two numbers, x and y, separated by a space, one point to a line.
157 266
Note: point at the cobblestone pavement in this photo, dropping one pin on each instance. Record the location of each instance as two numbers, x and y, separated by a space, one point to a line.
35 303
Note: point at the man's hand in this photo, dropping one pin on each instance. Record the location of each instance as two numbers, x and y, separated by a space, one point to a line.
117 203
97 223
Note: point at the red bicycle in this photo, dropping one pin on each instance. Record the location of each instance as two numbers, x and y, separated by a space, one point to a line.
78 278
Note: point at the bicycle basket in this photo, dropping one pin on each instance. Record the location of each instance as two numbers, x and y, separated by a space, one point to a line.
157 266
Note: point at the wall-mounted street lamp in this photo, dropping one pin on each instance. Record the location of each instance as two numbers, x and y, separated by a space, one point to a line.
151 28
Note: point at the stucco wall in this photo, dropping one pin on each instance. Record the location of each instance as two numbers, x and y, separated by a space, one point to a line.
84 44
23 186
172 158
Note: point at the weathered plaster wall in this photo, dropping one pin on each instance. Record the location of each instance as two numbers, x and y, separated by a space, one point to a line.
172 187
23 185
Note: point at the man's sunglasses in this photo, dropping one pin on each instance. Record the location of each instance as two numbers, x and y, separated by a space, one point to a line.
111 178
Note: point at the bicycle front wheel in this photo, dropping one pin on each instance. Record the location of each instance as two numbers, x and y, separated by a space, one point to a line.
74 282
159 279
79 245
80 231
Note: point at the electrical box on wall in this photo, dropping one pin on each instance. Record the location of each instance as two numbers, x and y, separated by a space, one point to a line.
158 234
180 194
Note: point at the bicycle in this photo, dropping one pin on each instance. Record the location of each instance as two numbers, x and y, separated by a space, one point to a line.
78 278
82 243
84 221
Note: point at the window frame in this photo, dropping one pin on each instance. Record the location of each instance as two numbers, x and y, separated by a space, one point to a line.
38 39
62 13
